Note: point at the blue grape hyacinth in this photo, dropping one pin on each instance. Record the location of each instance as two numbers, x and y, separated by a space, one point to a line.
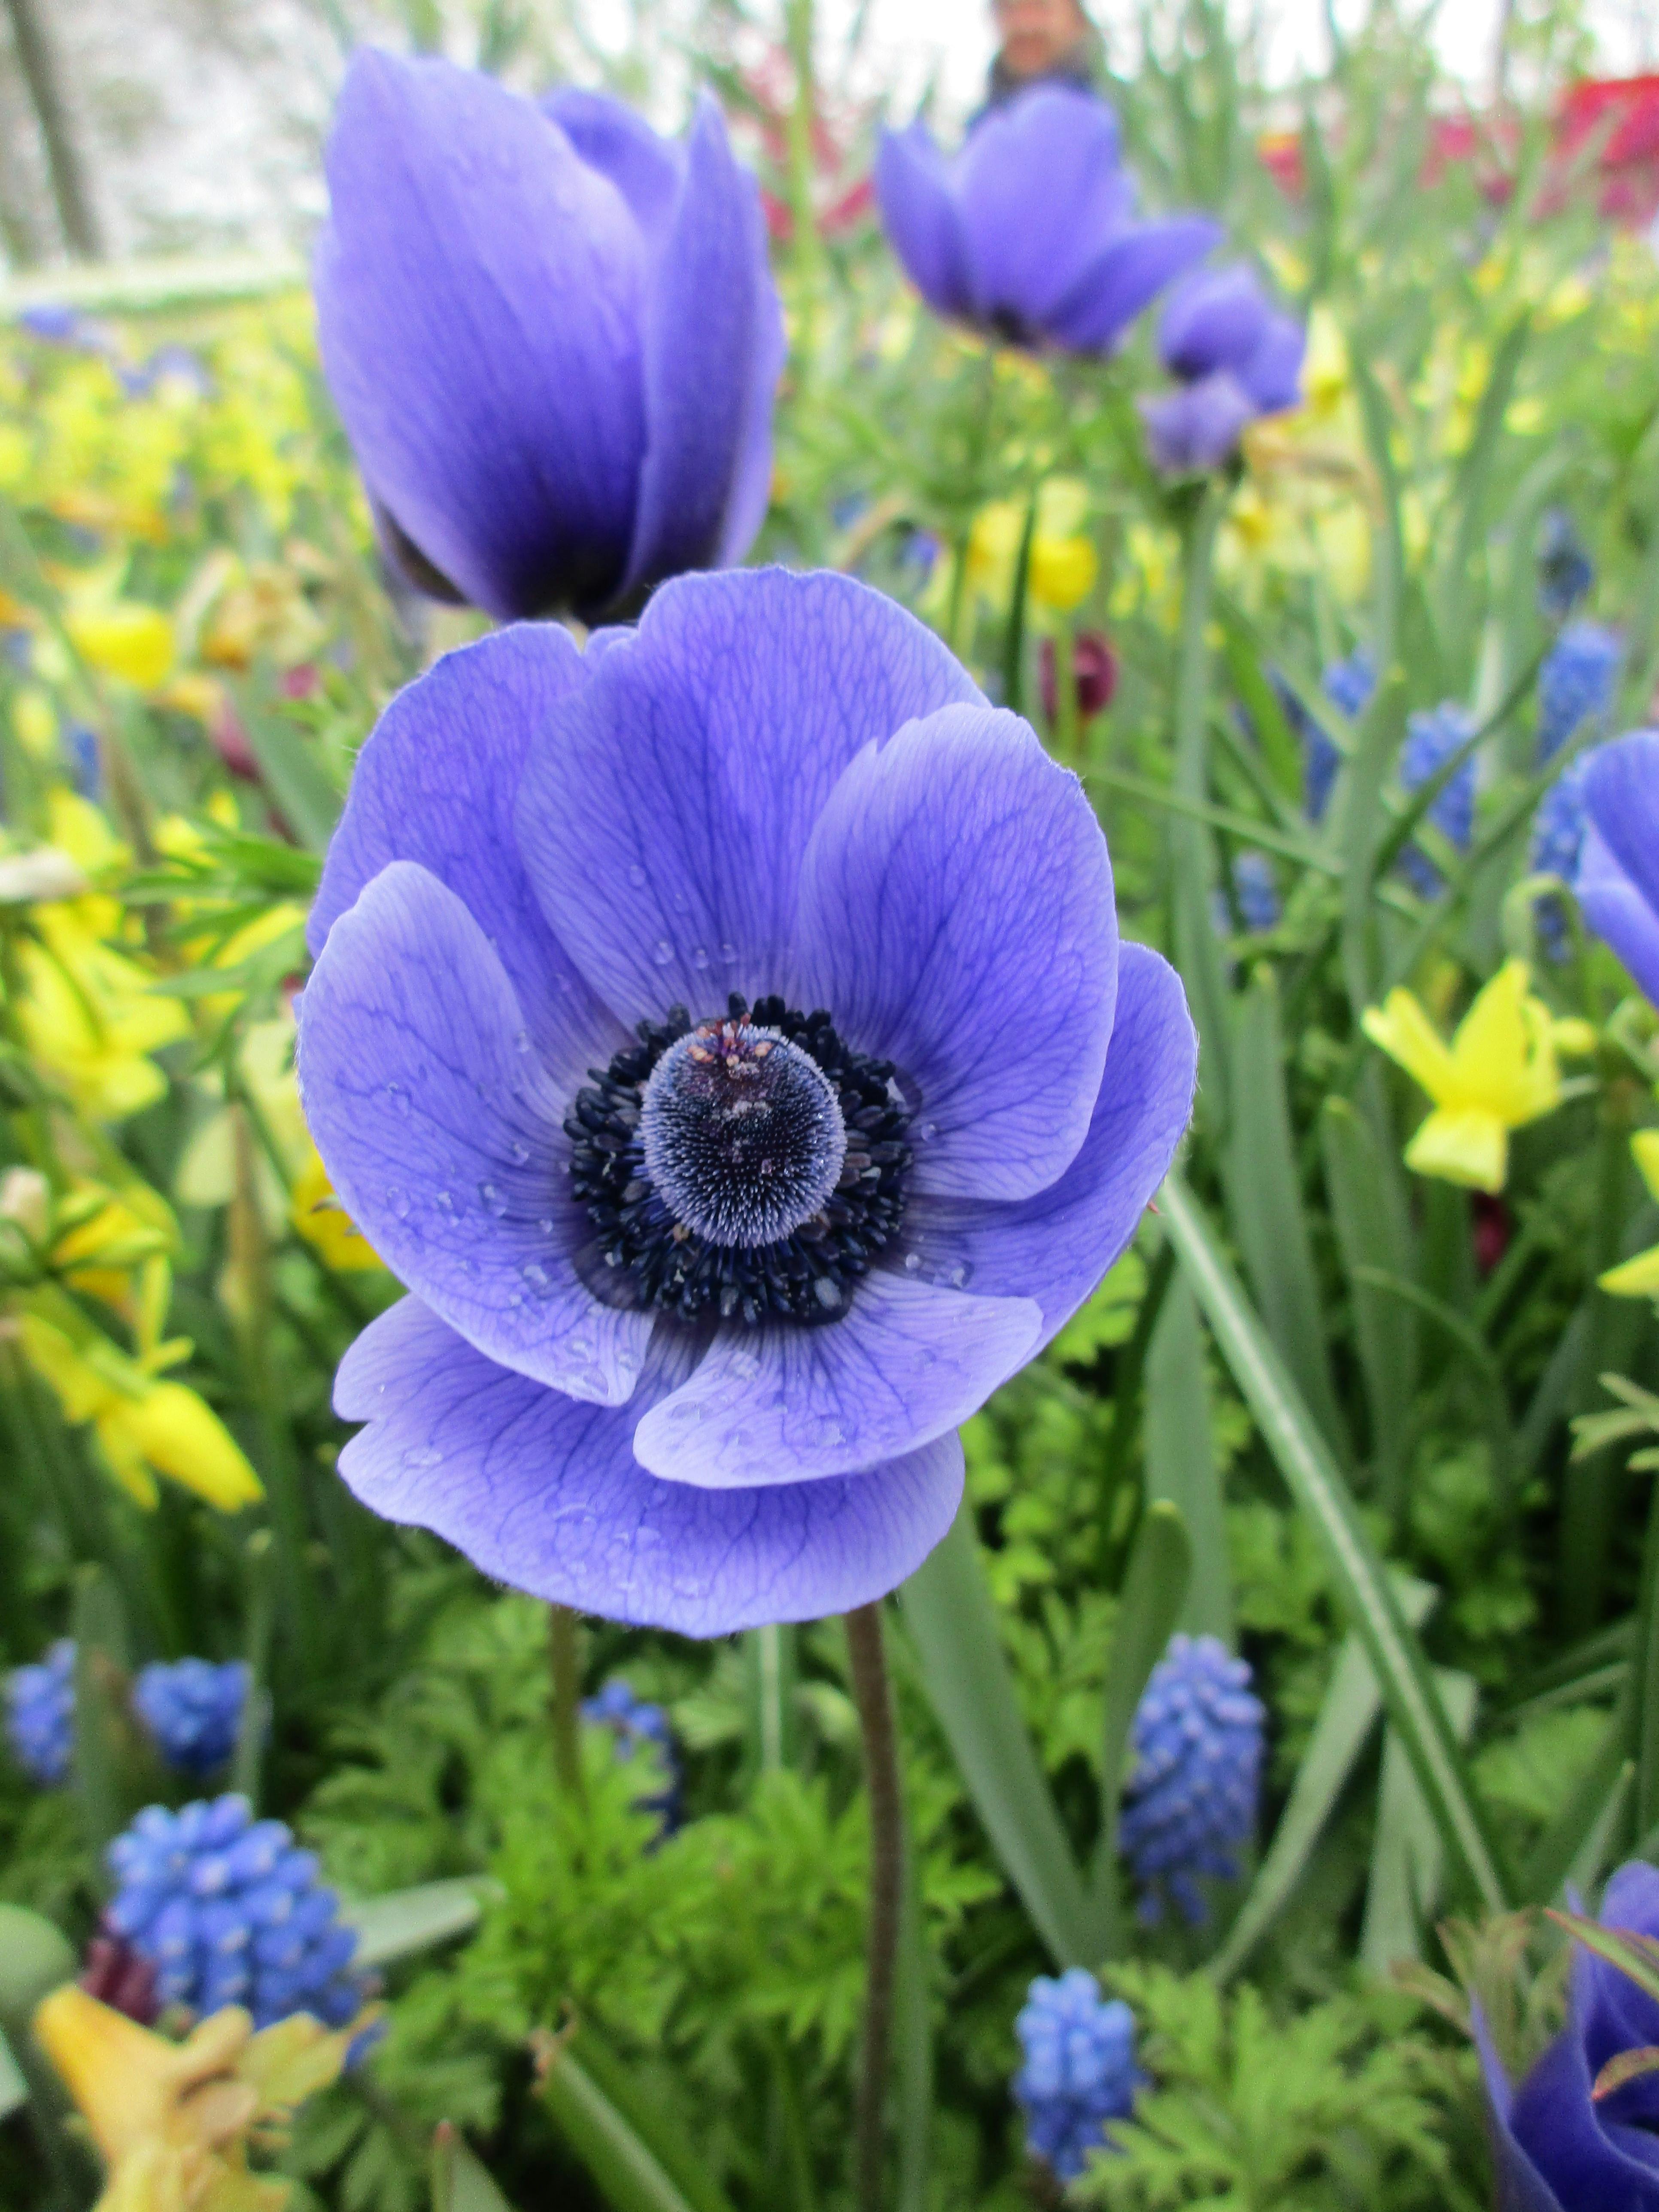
193 1709
41 1715
1348 685
230 1912
1079 2071
1430 737
1565 571
1558 839
640 1726
1255 891
1191 1802
1576 683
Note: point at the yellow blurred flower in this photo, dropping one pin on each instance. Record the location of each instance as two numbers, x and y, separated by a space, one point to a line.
172 2122
1499 1072
324 1223
34 720
1639 1278
126 639
1064 564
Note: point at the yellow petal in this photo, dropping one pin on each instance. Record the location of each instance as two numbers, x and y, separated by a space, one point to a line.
1645 1146
1405 1032
124 1457
324 1224
123 639
183 1437
1638 1278
1063 572
124 2079
1461 1144
1577 1039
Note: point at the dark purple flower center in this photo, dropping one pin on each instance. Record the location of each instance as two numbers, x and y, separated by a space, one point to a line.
748 1168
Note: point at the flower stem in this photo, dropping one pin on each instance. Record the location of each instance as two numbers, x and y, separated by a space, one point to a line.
565 1667
874 1698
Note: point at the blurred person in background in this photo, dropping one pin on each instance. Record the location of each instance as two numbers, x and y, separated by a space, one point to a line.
1041 42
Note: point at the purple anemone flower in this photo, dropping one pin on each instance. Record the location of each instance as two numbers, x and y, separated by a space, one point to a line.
1557 2149
552 335
712 1030
1029 233
1237 356
1618 880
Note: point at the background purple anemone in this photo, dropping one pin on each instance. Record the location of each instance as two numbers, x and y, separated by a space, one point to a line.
1556 2148
1028 232
779 783
553 336
1237 357
1618 880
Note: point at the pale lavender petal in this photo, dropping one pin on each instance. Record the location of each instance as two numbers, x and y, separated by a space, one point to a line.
436 783
1616 911
919 214
1521 2187
956 918
1039 184
479 295
1272 374
908 1364
1125 278
1056 1248
1215 320
665 807
1197 426
648 171
441 1134
1621 797
546 1494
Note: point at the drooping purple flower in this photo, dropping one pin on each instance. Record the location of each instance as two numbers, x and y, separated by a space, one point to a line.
713 1032
553 337
1029 233
1237 357
1576 683
1557 2149
1431 737
1079 2072
1618 880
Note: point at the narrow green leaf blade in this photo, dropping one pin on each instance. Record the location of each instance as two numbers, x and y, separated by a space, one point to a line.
1181 1463
1407 1858
618 2135
953 1625
1155 1583
100 1653
1306 1464
1368 1214
35 1957
459 2182
13 2088
297 780
405 1921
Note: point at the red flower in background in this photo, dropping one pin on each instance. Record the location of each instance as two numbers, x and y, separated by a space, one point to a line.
842 196
1622 115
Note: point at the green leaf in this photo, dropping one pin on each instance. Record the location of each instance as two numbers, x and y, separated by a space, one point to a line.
1198 952
913 2045
13 2088
953 1625
1264 1204
1180 1462
1314 1481
35 1957
409 1920
459 2182
102 1726
1407 1858
1368 1211
1346 1718
295 774
638 2163
1013 646
1149 1605
1564 1844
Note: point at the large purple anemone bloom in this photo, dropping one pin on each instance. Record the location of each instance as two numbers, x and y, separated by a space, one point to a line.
724 1035
1556 2148
1618 880
1029 233
1237 357
553 337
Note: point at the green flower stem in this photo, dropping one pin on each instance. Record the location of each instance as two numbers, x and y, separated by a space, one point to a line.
564 1665
874 1700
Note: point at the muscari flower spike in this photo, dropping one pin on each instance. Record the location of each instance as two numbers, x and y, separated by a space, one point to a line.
40 1716
1236 358
1029 233
724 1035
1576 683
1618 880
229 1913
1348 685
1430 737
1565 571
640 1726
1500 1072
193 1709
1191 1800
1558 839
553 337
1079 2071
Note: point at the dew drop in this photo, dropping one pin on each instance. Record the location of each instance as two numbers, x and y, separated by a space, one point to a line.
399 1096
664 953
699 956
398 1200
445 1203
637 877
493 1200
681 902
423 1456
520 1152
912 1263
745 1365
927 1132
545 1225
956 1278
826 1430
521 1039
534 1274
729 954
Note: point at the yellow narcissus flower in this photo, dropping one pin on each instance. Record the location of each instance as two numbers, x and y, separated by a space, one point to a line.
1064 563
123 638
173 2121
1499 1072
1639 1278
321 1219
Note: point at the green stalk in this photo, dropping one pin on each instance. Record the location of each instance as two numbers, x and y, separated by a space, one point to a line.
1192 849
564 1667
874 1700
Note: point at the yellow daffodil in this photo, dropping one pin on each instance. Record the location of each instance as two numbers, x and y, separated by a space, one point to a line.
1499 1072
172 2122
1064 563
123 638
324 1223
1639 1278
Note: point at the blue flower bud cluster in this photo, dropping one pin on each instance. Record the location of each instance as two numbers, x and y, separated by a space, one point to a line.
40 1716
1192 1797
638 1725
1558 835
1576 683
1079 2070
193 1709
1430 737
1565 572
228 1911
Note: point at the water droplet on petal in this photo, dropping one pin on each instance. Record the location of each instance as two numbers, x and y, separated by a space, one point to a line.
445 1203
494 1202
699 956
664 952
729 954
545 1225
423 1456
828 1431
744 1365
536 1276
927 1132
637 877
521 1039
520 1152
399 1096
398 1200
912 1263
681 902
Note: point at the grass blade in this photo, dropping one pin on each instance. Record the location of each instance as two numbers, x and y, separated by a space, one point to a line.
1407 1858
638 2160
1373 1231
1180 1464
1149 1607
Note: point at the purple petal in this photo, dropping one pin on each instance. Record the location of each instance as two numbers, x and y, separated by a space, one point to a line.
665 807
1621 796
480 295
1216 320
956 918
1125 276
1272 374
1586 2161
907 1364
918 212
1521 2187
1613 2013
436 783
647 170
546 1494
1056 1248
1616 911
441 1134
1200 426
1039 186
714 349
